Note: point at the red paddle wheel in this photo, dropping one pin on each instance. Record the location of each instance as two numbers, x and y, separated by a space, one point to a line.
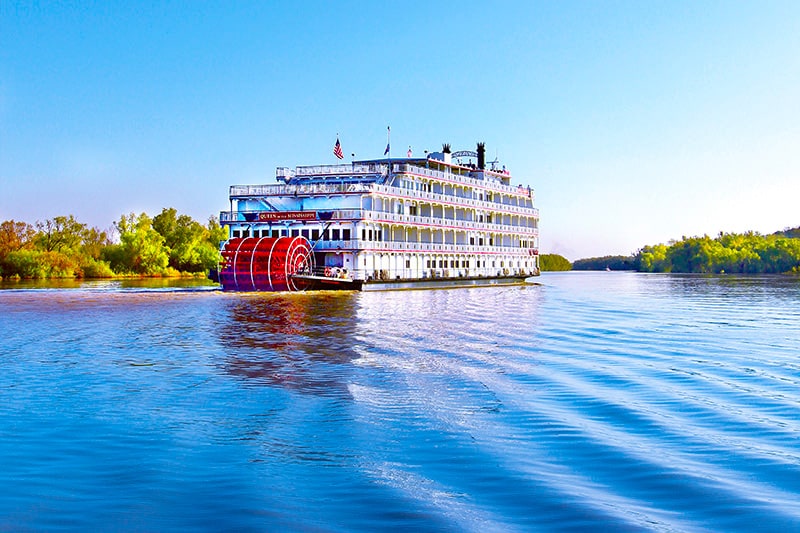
265 264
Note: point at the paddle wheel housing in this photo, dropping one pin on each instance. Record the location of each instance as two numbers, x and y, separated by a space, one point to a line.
265 264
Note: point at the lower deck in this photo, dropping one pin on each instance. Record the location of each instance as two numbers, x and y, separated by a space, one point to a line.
315 282
370 265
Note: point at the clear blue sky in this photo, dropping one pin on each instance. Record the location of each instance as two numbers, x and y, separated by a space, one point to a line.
635 122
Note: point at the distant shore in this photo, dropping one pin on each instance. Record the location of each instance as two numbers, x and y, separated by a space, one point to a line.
728 253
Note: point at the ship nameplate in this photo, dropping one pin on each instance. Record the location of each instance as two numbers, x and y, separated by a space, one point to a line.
268 216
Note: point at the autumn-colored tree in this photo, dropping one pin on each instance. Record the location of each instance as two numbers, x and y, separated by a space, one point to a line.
15 236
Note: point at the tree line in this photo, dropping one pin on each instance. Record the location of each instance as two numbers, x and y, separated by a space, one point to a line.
554 263
168 244
732 253
739 253
607 262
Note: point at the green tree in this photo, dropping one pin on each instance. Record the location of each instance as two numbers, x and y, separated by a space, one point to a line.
94 241
216 233
779 254
191 245
141 249
60 234
71 249
61 248
793 233
652 259
554 262
747 252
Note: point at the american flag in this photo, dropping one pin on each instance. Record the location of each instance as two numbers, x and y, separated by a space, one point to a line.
337 150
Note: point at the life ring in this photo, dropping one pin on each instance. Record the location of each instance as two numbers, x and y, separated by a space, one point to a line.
328 272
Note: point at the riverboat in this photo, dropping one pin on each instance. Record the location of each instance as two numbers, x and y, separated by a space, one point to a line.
441 220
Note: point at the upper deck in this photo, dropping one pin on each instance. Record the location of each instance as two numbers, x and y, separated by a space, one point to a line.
363 177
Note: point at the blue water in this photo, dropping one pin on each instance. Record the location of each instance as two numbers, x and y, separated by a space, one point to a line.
594 401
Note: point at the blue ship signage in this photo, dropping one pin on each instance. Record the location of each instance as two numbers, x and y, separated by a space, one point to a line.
269 216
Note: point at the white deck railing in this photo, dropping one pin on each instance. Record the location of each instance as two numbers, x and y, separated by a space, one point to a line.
441 248
393 218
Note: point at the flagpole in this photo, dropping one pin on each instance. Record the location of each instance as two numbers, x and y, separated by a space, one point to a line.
389 147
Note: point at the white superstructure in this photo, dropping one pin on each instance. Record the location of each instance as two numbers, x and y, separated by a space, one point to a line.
399 220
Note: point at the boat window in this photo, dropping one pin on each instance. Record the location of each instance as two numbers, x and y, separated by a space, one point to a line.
305 233
335 235
315 235
345 234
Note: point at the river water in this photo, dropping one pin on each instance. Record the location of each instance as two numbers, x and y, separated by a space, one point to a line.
593 401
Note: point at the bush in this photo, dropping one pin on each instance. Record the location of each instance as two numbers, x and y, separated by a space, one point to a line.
94 268
25 264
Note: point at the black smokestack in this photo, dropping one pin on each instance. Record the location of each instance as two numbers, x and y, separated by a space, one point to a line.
481 156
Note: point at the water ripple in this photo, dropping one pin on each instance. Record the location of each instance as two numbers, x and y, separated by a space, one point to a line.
593 401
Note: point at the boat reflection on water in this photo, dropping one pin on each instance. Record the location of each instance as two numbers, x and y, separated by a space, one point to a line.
296 340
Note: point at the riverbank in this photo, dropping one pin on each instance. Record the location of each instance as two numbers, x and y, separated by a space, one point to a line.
131 282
